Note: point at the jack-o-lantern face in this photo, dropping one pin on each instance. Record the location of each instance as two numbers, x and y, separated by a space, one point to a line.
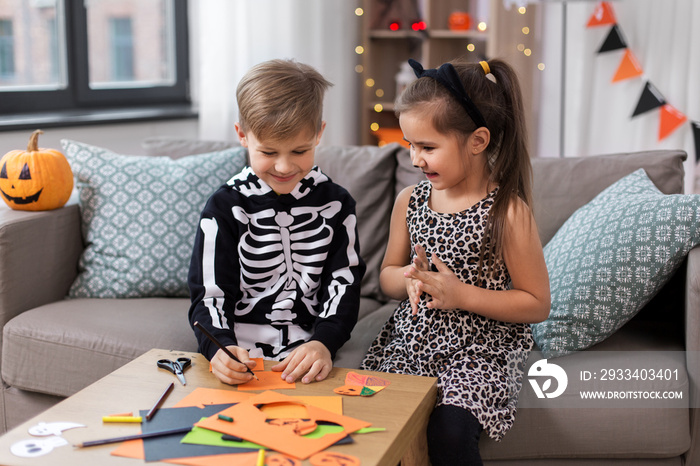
36 179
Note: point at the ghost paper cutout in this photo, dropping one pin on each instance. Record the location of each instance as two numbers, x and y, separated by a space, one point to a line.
32 448
44 429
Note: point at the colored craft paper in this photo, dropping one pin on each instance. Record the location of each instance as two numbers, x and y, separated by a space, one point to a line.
614 41
259 364
650 99
237 459
166 447
333 404
629 68
268 380
361 385
253 426
670 120
202 397
602 15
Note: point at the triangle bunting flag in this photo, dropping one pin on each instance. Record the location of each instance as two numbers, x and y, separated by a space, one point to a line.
602 15
696 136
650 99
614 41
670 119
629 68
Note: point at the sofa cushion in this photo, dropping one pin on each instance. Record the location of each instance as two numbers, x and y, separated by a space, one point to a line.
610 258
176 147
560 186
139 215
367 172
62 347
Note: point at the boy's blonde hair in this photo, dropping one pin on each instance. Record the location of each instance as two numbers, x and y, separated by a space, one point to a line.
278 99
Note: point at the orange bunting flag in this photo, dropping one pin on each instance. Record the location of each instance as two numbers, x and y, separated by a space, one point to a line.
629 68
669 120
602 15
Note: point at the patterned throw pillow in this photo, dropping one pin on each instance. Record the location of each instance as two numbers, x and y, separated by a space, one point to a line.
139 215
610 258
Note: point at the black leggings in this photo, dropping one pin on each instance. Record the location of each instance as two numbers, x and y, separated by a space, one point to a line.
453 437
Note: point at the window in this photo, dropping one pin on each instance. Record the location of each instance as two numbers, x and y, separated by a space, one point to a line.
92 54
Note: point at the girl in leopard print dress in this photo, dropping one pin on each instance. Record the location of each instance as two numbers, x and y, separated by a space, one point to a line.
476 274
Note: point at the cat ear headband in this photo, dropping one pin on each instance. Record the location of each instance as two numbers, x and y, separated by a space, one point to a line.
447 76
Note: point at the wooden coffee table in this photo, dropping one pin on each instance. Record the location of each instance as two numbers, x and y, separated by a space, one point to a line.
402 408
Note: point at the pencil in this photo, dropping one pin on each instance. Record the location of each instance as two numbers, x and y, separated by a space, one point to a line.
121 419
92 443
156 406
261 457
223 348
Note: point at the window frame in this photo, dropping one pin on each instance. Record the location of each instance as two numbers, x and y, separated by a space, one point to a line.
79 96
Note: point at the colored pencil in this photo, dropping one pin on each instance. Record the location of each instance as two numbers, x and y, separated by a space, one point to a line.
156 406
92 443
261 457
223 348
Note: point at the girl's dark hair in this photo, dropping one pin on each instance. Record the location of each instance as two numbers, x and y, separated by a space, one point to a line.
501 105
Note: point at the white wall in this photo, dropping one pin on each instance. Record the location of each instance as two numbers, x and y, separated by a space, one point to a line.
125 138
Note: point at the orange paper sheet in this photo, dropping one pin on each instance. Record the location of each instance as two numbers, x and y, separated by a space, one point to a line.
268 380
252 426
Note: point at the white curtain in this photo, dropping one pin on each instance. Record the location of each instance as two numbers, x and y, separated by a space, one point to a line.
234 35
597 119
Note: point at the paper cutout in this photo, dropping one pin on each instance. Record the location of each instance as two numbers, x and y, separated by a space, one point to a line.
333 404
670 120
253 426
268 380
31 448
629 68
361 385
331 458
602 15
650 99
614 41
44 429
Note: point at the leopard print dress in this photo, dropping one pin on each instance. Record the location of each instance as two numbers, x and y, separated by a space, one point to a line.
478 361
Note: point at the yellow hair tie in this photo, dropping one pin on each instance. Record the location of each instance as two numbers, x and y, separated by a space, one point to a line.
485 66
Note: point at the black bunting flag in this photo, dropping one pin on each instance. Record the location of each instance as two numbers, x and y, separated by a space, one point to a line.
650 99
614 41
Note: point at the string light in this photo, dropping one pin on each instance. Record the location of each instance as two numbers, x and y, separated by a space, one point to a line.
359 50
359 11
359 68
471 47
379 93
378 108
482 26
370 82
527 52
540 66
374 126
522 10
526 30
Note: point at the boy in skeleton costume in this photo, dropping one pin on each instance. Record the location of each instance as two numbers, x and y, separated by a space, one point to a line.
276 268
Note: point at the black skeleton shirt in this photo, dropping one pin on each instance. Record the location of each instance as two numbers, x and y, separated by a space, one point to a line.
270 272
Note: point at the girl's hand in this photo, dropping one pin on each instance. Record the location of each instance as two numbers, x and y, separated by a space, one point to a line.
442 285
420 263
310 362
229 371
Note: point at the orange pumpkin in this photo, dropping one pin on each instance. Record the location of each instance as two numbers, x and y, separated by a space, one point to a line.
35 179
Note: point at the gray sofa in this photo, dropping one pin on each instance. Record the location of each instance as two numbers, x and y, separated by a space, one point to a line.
52 346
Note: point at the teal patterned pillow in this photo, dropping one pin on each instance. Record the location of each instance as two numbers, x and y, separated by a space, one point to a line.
139 215
610 258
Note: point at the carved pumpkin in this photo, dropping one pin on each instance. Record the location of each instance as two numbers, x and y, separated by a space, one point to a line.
35 179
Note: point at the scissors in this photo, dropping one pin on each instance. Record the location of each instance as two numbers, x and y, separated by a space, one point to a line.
176 367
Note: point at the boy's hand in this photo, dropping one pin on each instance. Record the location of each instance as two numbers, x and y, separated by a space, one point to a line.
229 371
310 361
422 264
